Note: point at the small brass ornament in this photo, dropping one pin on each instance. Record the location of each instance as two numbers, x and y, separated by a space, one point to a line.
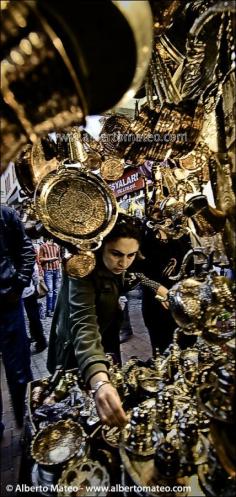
112 169
93 161
81 264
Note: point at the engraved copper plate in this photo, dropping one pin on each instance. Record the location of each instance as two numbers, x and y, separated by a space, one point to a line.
57 442
76 206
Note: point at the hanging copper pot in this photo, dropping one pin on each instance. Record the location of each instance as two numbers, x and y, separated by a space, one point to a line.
207 220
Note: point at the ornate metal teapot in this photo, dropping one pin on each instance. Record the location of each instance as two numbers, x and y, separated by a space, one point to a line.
198 302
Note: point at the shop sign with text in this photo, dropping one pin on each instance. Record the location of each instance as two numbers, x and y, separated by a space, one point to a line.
130 182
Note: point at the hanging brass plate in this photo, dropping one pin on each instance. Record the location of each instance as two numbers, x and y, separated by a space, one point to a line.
76 206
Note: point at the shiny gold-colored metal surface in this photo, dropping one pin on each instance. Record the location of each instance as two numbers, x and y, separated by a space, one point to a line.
64 80
75 206
139 16
32 53
31 166
93 161
81 264
196 159
81 473
57 442
112 169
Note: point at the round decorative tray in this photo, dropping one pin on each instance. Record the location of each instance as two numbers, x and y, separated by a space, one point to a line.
57 443
86 473
76 206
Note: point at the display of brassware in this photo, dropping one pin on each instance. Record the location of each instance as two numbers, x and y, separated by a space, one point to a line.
167 435
195 305
181 405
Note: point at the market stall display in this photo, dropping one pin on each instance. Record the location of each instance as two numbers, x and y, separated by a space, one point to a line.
170 162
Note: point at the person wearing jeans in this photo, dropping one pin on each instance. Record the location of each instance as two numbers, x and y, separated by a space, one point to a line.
51 278
49 257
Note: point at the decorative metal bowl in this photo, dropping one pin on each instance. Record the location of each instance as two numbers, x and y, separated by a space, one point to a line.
57 443
81 474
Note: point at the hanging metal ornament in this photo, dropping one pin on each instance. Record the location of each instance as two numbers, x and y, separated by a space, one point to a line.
81 264
79 147
112 169
196 159
76 206
93 161
34 162
114 127
63 78
77 153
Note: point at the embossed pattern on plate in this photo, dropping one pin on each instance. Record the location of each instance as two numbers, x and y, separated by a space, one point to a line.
112 169
57 442
76 206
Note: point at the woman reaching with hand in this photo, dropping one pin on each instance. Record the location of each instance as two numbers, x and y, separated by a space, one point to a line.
88 318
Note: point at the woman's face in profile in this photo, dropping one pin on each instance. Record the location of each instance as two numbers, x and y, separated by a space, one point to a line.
119 254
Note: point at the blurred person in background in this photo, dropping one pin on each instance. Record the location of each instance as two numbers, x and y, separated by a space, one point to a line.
49 258
33 312
17 259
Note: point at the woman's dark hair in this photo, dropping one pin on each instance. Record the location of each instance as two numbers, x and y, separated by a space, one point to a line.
125 227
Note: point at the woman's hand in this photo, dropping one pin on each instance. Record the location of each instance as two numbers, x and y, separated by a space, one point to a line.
107 401
163 292
109 406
